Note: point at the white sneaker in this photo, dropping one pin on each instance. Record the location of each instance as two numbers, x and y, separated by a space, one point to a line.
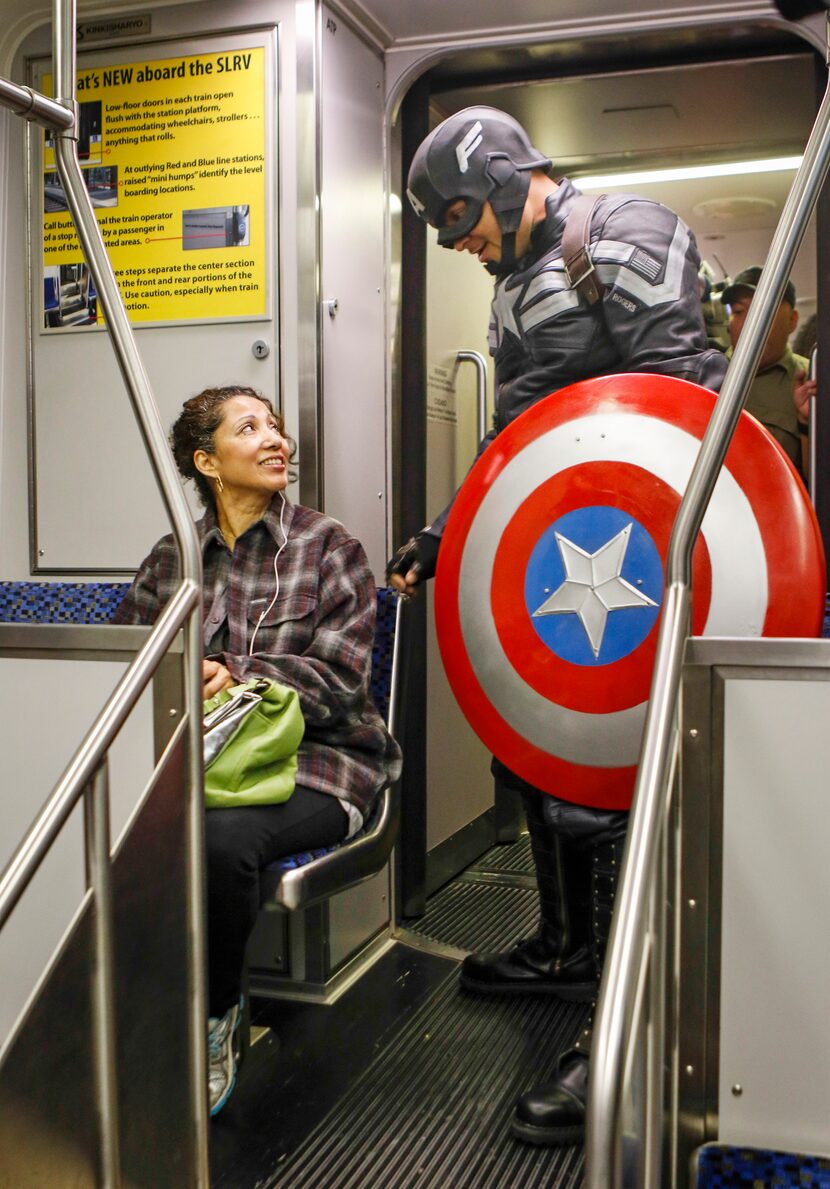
222 1058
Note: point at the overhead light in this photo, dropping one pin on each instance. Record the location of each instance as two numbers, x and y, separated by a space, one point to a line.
685 173
738 206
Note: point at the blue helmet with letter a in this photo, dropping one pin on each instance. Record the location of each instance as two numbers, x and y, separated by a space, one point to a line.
479 154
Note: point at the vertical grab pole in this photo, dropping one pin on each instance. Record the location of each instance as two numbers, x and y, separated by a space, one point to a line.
811 477
98 875
478 359
155 440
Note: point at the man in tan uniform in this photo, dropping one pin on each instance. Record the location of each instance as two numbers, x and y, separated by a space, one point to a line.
780 393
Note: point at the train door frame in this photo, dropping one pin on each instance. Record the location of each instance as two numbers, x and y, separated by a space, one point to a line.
409 89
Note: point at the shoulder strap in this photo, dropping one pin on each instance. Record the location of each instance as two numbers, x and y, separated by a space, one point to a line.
576 249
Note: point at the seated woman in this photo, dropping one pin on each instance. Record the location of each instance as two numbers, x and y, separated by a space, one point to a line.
288 595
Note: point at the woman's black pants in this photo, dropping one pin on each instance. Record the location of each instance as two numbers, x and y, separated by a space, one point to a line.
240 842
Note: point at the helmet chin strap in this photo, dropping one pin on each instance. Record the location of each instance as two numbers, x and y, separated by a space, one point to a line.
508 204
507 261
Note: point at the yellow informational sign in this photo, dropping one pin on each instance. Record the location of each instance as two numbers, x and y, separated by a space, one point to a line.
173 157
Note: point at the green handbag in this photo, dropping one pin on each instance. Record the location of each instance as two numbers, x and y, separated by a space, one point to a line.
252 733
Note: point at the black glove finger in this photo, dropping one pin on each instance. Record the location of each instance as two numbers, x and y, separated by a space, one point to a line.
427 554
404 560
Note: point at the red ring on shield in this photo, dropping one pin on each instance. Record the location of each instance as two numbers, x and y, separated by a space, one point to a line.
627 488
627 442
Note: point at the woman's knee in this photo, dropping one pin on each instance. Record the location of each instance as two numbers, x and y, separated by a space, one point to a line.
230 845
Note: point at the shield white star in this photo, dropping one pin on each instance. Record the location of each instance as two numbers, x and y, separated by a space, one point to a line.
593 586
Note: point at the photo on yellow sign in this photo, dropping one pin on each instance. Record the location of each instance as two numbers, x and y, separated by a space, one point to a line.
173 156
89 136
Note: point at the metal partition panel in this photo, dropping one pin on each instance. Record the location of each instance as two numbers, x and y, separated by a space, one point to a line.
48 1133
316 953
357 915
48 705
774 1081
751 1044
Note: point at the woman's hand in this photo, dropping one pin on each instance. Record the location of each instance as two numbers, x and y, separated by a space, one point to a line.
215 677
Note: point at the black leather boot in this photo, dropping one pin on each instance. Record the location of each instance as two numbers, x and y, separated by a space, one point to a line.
554 1113
558 960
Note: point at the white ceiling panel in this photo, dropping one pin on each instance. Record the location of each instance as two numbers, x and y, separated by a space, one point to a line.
408 22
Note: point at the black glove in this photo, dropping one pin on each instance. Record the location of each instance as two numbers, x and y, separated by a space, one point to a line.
420 553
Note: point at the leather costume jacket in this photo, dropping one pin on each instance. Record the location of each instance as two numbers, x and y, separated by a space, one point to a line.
544 336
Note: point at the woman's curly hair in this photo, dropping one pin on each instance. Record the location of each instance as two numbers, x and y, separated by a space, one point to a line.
195 426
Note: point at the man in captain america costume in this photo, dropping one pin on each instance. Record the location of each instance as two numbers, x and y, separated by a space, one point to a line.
630 303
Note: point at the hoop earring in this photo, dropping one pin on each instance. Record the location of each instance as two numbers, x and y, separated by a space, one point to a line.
219 484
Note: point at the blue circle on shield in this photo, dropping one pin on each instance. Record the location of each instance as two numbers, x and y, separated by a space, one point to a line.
593 585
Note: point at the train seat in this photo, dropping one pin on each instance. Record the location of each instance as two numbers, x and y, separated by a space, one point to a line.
60 602
717 1166
296 881
299 881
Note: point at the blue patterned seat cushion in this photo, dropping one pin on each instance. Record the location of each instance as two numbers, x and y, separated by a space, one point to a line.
745 1168
60 602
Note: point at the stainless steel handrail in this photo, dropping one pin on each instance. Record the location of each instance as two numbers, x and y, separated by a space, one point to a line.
34 106
812 424
629 938
476 358
84 764
60 115
99 872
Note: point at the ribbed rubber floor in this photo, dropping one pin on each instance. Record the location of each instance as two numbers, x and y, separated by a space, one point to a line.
514 859
434 1108
477 916
477 911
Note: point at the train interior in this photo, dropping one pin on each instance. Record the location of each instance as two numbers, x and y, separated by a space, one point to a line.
295 268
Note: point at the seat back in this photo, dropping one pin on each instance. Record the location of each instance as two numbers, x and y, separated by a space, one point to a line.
299 881
60 602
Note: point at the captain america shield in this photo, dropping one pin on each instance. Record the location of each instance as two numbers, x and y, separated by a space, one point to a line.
552 568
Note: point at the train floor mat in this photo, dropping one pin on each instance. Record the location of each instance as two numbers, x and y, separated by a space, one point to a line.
433 1108
406 1080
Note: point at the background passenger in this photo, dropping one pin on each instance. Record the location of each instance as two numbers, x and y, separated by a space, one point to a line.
478 179
806 338
288 595
780 393
715 317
